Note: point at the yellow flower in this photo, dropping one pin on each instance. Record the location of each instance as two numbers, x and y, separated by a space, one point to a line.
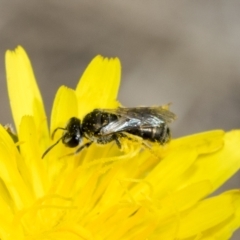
103 193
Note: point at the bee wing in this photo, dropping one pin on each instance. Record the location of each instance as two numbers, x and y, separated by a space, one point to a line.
152 116
120 125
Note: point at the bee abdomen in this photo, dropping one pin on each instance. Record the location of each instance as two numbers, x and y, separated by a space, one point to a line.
160 134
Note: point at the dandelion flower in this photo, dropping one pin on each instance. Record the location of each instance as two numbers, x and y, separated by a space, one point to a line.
103 193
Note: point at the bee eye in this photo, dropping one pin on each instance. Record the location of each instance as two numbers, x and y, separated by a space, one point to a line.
71 141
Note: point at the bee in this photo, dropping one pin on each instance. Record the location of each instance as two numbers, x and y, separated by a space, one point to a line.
108 125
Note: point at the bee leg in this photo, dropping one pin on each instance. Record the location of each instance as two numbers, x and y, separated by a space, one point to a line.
82 147
122 135
78 150
118 143
115 138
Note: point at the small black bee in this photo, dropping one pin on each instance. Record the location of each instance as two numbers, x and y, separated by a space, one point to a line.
106 125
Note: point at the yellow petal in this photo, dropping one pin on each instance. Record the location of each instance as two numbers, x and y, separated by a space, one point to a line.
205 142
6 203
10 175
165 176
225 229
32 156
64 107
218 166
25 98
98 86
205 215
169 209
183 199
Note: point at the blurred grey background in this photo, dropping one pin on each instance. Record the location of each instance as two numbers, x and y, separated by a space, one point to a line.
184 52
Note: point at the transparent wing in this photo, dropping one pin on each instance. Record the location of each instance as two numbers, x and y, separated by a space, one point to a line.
120 125
143 113
130 118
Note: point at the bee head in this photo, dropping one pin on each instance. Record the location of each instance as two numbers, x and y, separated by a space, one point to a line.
72 134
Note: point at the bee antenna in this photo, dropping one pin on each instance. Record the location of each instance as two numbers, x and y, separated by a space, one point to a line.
45 153
52 136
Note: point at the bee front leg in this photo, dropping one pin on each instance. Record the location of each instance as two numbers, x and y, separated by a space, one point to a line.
82 147
77 151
